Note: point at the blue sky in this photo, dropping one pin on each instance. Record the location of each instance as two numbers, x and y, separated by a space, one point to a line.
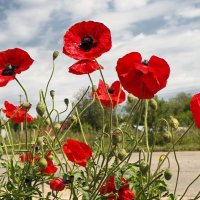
169 29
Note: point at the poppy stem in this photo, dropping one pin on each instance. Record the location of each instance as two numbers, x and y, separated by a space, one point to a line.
22 89
49 79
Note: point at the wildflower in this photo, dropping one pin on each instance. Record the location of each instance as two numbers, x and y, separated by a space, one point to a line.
142 79
77 152
12 62
16 113
26 157
57 184
87 40
84 67
117 95
195 108
124 193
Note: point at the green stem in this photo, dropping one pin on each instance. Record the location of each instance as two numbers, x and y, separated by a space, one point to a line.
49 79
22 89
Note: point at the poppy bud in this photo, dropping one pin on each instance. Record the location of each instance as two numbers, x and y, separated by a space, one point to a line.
51 157
66 101
116 137
131 98
55 54
57 126
42 163
52 93
26 105
144 167
40 141
94 88
167 136
153 104
173 122
47 121
168 174
122 154
41 108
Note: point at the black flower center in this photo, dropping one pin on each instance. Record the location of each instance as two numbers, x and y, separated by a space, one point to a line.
145 62
87 43
110 90
9 70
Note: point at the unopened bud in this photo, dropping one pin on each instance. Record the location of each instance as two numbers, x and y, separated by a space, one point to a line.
94 88
168 174
117 137
26 105
51 157
41 108
122 154
131 98
173 122
42 163
40 141
153 104
66 101
55 54
57 126
167 136
73 119
144 167
52 93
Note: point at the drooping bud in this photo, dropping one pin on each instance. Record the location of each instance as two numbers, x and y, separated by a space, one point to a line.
117 136
41 108
52 93
168 174
55 54
173 122
26 105
167 136
122 154
131 98
144 167
42 163
66 101
153 104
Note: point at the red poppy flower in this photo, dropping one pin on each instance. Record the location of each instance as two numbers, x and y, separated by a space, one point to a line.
16 113
84 67
77 152
26 157
117 95
12 62
87 40
124 193
51 168
195 108
57 184
142 79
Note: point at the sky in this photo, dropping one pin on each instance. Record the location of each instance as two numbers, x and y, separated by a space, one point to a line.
169 29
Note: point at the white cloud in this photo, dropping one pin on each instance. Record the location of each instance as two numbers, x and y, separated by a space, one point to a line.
173 40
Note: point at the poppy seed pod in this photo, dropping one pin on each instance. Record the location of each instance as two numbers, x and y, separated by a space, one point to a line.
52 93
42 163
55 54
40 141
153 104
122 154
173 122
41 108
131 98
168 174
